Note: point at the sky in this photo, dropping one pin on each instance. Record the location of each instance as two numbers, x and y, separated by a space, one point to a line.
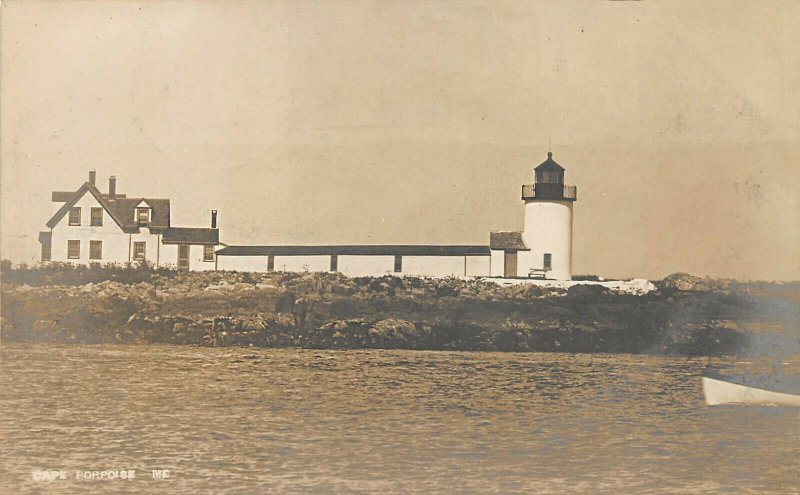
416 122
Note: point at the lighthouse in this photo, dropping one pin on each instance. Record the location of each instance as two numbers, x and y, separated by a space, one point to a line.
548 223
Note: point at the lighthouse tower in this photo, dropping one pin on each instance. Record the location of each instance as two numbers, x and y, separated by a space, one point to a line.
548 223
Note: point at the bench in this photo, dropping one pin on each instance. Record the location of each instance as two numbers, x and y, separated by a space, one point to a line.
540 272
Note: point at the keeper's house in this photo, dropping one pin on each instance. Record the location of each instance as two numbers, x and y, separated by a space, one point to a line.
542 249
88 226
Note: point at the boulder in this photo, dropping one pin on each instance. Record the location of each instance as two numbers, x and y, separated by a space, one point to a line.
285 303
394 329
683 282
255 324
584 290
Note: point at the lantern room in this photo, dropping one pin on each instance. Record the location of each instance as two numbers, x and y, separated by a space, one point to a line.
548 183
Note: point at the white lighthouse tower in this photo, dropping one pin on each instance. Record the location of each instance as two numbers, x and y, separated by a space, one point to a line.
548 223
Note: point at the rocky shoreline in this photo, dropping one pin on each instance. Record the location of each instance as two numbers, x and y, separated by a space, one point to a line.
684 316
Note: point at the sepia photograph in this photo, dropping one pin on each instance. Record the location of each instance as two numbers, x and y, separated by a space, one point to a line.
399 246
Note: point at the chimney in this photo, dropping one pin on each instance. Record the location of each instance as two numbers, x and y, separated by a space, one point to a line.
112 188
213 219
92 177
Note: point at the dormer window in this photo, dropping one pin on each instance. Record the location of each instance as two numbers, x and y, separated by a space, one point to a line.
142 216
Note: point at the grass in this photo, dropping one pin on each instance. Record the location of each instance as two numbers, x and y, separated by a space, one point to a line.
55 273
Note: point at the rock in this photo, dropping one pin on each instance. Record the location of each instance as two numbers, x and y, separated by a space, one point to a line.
516 325
255 324
6 325
533 291
44 326
325 310
639 286
285 303
391 328
583 290
683 282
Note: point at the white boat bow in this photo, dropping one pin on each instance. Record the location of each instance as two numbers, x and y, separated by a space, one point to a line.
719 391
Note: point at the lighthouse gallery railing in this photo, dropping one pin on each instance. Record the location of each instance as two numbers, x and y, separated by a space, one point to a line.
549 191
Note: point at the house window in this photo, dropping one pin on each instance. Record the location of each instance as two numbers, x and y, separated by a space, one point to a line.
73 249
46 252
95 250
208 253
75 215
139 249
97 217
398 264
334 263
143 216
548 261
270 263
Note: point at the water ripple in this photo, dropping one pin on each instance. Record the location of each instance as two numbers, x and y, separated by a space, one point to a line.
308 421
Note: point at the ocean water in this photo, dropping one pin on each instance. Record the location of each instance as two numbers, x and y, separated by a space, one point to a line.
232 420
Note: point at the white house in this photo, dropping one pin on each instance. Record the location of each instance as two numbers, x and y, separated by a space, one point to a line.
542 249
88 226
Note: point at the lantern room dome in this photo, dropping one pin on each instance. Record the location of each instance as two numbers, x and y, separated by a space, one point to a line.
549 165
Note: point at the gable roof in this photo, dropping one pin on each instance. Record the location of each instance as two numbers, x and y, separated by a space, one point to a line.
549 165
190 235
371 250
121 209
125 208
507 241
